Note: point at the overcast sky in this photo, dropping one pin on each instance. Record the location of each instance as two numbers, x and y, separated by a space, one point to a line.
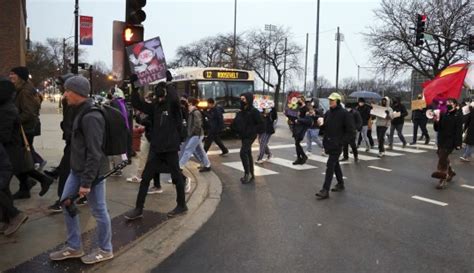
181 22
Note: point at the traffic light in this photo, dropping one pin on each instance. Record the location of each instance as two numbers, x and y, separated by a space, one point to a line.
132 34
420 29
133 12
471 42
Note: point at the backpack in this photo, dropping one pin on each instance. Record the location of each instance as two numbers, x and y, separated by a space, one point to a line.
116 131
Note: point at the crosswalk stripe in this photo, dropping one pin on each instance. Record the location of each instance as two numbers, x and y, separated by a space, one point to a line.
408 150
343 177
381 169
376 152
289 164
365 157
323 159
258 171
467 186
429 200
423 146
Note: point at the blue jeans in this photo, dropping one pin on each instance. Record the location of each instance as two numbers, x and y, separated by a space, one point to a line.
467 151
312 134
98 206
194 146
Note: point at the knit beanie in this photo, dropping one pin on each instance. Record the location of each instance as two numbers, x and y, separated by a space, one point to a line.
78 85
22 72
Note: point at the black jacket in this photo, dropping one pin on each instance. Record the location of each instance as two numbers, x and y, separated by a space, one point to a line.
215 120
247 122
10 136
449 128
364 112
338 129
469 128
301 126
69 113
399 107
166 119
419 115
357 119
268 121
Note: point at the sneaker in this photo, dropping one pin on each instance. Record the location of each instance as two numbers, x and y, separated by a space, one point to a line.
56 207
53 172
133 214
427 141
177 211
134 179
390 147
344 159
260 161
356 159
404 145
464 159
170 181
322 194
269 156
205 169
381 154
81 201
65 253
155 190
323 153
367 150
412 143
338 187
224 153
442 184
15 223
97 256
187 185
45 185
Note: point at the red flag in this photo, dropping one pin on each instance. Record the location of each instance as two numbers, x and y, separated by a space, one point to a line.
447 84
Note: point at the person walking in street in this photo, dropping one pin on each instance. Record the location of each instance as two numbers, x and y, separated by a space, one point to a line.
247 124
364 111
166 119
338 129
449 128
88 162
399 113
419 119
10 161
269 117
382 124
301 125
469 133
358 125
215 119
312 133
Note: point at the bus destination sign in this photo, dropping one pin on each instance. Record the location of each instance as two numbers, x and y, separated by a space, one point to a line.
225 75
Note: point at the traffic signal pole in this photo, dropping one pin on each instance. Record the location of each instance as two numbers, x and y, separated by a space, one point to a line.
75 68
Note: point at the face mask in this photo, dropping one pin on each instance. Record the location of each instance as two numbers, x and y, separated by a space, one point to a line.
242 104
450 107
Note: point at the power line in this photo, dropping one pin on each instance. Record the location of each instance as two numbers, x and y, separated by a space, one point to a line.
350 53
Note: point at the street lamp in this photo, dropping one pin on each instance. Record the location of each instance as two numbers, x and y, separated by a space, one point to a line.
234 44
269 28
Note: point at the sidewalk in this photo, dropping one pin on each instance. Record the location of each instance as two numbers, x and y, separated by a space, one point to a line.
149 240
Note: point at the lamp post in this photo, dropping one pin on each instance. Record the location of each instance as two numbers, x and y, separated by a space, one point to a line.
269 28
64 54
316 50
234 44
75 68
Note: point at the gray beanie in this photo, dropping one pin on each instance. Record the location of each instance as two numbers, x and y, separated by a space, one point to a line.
78 85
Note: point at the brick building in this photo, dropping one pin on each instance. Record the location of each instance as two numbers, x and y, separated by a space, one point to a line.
13 33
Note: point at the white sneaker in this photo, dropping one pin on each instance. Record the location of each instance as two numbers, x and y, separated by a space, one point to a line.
170 181
259 161
155 190
464 159
187 185
323 154
134 179
381 154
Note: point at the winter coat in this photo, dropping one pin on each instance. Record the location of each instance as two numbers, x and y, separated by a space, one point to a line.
195 123
88 159
6 169
28 103
69 113
385 122
449 128
399 107
419 115
338 129
215 120
301 126
317 115
247 122
269 121
357 119
364 112
469 128
10 135
166 118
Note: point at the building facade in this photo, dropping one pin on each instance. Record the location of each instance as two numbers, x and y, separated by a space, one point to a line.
13 32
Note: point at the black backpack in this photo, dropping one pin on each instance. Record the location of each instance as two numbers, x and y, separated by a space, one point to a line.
116 131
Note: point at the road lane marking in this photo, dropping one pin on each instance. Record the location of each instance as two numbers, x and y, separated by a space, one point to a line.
365 157
343 177
258 171
422 146
408 150
376 152
323 159
429 200
289 164
467 186
382 169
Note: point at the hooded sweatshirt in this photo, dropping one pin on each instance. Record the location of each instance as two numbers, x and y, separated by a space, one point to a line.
248 122
385 122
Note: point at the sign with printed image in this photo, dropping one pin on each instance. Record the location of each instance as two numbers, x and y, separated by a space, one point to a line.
262 102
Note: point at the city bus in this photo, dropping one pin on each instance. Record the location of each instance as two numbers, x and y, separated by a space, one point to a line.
224 85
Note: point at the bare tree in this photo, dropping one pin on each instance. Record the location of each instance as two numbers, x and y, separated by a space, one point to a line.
393 42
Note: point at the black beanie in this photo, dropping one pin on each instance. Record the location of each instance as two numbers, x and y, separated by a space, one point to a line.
361 100
7 89
22 72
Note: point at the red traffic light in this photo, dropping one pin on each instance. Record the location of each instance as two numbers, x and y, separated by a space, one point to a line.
132 34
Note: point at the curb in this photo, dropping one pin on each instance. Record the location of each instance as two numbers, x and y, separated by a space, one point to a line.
153 248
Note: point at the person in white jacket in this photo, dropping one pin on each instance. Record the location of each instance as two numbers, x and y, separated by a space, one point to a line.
382 124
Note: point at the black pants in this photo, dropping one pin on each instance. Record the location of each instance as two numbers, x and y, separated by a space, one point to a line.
369 136
422 125
9 211
381 130
246 155
214 137
333 167
155 162
23 178
36 157
64 168
353 145
299 150
444 165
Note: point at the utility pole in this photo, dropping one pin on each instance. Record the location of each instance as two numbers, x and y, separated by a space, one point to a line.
234 56
269 28
75 68
339 38
284 67
316 50
305 63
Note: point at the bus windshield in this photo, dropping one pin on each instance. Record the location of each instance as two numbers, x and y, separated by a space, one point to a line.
226 94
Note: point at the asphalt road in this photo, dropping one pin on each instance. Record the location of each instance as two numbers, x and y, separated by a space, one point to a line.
376 225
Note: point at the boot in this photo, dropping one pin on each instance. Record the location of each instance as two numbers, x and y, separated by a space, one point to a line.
322 194
45 184
427 141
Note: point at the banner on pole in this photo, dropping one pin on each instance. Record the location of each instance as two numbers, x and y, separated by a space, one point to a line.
85 23
147 61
